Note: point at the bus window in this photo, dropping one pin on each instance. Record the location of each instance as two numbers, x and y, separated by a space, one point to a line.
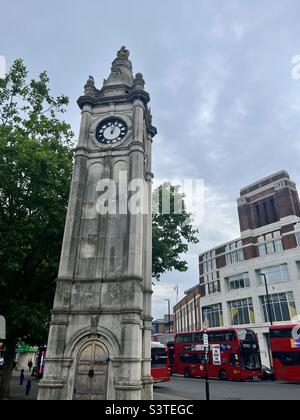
186 358
187 338
281 333
200 359
234 359
198 338
159 357
179 338
287 358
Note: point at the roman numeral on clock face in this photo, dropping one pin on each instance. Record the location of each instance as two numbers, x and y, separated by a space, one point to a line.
111 131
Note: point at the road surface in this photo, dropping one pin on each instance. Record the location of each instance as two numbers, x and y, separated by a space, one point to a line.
182 389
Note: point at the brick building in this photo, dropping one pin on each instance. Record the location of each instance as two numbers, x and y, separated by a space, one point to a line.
163 325
231 284
187 314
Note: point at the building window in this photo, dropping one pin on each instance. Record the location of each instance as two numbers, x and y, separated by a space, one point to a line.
298 238
270 244
213 315
265 212
210 264
275 275
240 281
178 323
242 312
258 218
214 287
192 309
234 253
282 307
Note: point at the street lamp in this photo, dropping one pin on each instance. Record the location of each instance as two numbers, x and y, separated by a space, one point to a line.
206 352
269 311
268 297
169 314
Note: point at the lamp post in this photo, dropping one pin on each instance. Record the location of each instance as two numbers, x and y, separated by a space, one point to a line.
270 313
206 352
268 297
169 314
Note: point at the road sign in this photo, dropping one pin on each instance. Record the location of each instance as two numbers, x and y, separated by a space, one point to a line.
216 351
205 341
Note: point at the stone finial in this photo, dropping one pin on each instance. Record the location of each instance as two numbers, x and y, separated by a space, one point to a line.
89 87
139 82
242 201
123 53
121 70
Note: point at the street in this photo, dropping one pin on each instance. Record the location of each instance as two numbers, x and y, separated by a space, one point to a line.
182 389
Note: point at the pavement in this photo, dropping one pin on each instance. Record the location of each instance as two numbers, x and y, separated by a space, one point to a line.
18 392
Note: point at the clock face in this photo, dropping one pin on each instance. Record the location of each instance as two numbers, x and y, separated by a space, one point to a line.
111 131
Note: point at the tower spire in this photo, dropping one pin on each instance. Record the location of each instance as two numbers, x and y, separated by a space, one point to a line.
121 70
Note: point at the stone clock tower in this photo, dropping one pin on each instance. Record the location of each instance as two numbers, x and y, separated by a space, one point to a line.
100 335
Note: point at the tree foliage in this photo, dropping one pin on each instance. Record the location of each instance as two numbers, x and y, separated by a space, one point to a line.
172 230
35 171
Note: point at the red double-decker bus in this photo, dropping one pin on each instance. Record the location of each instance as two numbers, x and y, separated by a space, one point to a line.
285 347
233 354
160 367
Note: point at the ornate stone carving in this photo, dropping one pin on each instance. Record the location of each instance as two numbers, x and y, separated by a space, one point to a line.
242 201
279 185
139 82
89 88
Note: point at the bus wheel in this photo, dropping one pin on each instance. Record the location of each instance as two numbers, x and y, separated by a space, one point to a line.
187 373
223 375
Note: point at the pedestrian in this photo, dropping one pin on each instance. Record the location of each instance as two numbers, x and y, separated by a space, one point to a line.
28 387
30 364
22 377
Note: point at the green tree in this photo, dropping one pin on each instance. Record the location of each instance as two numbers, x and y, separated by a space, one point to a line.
35 176
172 230
35 172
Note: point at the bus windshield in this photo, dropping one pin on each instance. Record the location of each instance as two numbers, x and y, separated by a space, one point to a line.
250 354
159 357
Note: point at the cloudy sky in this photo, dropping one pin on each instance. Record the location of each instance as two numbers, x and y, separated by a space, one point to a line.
219 73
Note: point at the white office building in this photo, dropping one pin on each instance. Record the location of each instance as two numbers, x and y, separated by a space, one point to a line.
233 275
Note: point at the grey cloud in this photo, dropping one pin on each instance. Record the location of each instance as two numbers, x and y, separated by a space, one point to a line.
219 74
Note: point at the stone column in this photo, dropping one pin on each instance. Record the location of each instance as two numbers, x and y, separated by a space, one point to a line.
52 387
130 387
146 366
72 228
86 115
